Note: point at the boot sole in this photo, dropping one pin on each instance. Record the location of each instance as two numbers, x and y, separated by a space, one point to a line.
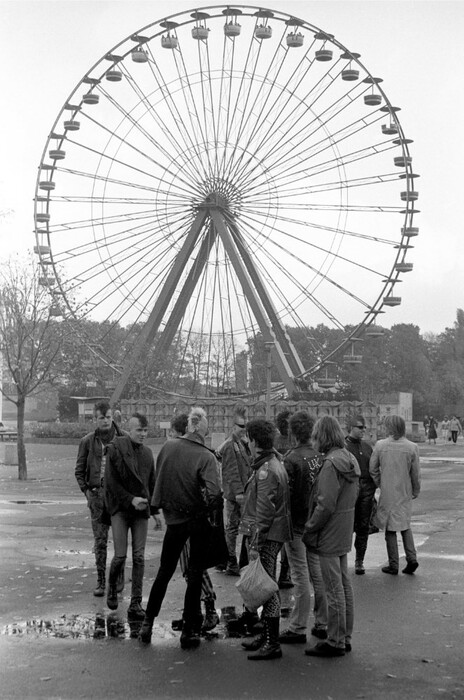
267 657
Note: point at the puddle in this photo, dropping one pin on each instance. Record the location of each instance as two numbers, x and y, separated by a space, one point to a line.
23 503
116 625
81 627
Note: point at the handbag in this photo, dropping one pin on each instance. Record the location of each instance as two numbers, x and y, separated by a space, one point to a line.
215 552
255 585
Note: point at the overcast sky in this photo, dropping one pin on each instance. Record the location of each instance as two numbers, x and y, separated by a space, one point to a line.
415 46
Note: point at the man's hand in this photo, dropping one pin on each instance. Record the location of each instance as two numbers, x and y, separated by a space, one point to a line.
158 522
139 503
239 498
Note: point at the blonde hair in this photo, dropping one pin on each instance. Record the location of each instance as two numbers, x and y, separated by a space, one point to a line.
328 433
395 426
197 421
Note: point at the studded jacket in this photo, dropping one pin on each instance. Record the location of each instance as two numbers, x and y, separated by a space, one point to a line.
266 508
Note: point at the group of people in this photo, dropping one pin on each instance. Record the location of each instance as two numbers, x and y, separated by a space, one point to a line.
307 503
450 428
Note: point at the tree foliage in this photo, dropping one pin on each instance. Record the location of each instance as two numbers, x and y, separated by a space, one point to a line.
30 340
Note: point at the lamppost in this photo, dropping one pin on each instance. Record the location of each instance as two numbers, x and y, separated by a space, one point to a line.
268 346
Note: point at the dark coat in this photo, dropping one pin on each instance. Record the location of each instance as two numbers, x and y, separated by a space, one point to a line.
236 470
187 480
124 479
302 465
89 456
266 508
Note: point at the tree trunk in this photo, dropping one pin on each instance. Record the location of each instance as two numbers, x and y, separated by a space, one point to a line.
22 464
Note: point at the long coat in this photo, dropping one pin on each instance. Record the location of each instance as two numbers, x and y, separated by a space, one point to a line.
394 466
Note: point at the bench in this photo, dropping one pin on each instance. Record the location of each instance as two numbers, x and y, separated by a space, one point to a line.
8 435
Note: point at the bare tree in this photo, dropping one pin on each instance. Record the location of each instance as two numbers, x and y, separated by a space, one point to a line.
30 339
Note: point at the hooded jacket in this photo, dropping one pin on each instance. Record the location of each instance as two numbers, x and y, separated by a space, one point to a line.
329 530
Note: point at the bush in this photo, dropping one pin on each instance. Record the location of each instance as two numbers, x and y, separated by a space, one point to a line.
60 430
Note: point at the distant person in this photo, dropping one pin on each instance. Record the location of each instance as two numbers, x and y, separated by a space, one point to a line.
362 450
128 485
329 532
432 431
394 467
425 423
302 464
188 492
455 428
89 472
445 428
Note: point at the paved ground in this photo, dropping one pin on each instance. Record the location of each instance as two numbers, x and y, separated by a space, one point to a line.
58 641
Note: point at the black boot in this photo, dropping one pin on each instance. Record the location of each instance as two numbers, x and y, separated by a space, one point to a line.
211 618
146 630
255 643
99 591
190 637
121 581
112 597
271 647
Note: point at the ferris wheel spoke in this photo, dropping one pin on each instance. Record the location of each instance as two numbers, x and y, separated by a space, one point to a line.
170 124
305 264
155 144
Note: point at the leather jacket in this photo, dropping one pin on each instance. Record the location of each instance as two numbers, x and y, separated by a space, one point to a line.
266 508
89 456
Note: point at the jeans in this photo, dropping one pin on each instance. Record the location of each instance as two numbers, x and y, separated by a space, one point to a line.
305 567
100 531
340 600
233 517
392 547
173 543
362 516
121 523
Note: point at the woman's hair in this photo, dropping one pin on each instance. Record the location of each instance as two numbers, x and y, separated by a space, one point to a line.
282 422
301 425
328 433
179 423
262 432
396 427
197 421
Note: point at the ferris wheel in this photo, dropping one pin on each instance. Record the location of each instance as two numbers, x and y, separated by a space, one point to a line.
223 176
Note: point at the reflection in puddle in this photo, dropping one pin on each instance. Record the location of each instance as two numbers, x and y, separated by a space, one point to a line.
78 627
115 625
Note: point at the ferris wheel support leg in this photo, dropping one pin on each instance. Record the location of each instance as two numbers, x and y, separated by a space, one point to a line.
156 316
290 352
259 312
177 313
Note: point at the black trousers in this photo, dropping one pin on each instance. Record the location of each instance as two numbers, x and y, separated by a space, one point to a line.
362 516
174 540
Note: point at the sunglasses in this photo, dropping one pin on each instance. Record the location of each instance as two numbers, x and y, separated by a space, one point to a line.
360 427
240 425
